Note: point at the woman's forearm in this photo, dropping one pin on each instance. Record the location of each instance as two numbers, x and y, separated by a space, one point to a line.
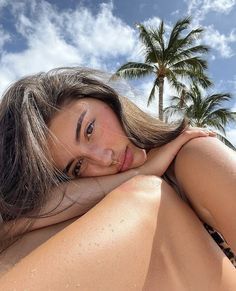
69 200
76 197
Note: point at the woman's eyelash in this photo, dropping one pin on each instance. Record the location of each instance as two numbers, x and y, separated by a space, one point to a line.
90 129
77 167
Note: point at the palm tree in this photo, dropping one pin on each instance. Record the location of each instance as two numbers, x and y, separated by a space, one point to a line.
174 59
203 111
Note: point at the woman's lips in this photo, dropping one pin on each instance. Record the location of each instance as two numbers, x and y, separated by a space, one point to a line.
127 161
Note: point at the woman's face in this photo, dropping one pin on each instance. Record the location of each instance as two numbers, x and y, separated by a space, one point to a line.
88 140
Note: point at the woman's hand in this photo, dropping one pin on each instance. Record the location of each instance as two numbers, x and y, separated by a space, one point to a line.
159 159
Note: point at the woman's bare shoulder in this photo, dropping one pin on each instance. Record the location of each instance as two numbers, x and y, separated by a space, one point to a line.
203 147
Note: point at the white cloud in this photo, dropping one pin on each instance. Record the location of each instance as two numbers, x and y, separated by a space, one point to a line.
152 22
103 35
3 3
221 6
64 38
4 38
231 135
220 42
176 12
200 8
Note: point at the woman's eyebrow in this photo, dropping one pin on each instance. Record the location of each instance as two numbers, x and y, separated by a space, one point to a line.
77 138
79 124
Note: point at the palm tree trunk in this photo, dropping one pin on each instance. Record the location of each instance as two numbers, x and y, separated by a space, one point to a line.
161 91
182 98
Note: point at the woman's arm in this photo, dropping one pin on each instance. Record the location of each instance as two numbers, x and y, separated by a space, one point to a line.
151 226
82 194
97 251
206 171
69 200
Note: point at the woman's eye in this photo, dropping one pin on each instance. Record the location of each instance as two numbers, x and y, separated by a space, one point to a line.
77 167
90 128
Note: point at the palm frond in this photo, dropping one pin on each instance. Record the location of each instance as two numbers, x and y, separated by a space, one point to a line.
158 36
201 78
224 114
174 82
180 25
226 141
189 39
152 93
171 110
145 36
152 58
188 53
195 63
134 70
216 100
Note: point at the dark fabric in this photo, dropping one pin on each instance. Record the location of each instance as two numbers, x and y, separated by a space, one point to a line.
218 238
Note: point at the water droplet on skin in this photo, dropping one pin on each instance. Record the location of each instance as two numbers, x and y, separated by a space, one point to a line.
67 285
33 271
77 285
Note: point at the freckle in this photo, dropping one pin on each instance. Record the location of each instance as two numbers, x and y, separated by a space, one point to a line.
112 230
122 220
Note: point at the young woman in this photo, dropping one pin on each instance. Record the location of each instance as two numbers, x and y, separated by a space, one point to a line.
66 124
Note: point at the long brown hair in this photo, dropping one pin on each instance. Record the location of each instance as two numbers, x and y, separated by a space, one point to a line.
27 173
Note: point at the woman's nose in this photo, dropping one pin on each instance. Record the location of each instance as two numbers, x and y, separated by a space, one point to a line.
98 155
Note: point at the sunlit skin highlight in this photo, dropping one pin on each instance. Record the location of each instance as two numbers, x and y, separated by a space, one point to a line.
87 140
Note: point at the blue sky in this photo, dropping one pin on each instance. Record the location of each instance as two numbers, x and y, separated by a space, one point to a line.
40 35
